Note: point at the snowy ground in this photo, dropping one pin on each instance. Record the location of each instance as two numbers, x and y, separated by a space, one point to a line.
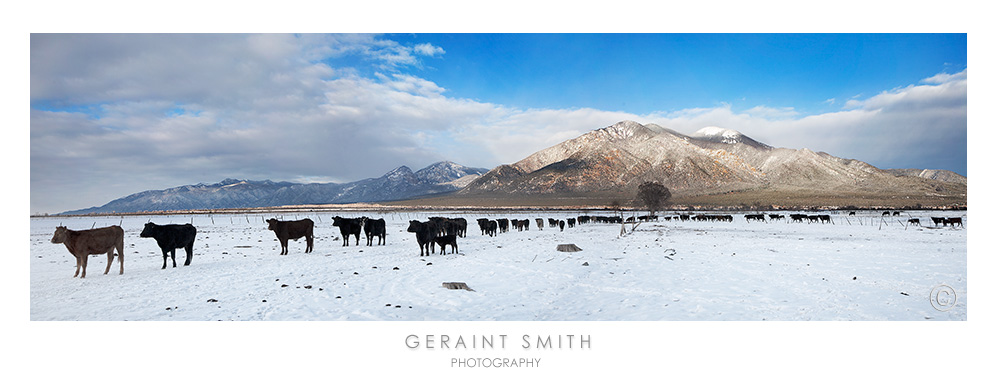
854 269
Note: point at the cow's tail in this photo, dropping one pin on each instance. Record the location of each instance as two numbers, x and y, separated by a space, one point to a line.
120 245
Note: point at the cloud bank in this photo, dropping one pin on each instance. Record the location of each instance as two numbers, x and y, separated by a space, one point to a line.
117 114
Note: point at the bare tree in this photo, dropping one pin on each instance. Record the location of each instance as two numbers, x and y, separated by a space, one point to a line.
654 196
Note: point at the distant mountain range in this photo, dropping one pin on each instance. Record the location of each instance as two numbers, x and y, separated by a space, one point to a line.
400 183
713 165
941 175
712 161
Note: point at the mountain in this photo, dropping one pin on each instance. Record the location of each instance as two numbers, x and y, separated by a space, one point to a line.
712 161
943 175
400 183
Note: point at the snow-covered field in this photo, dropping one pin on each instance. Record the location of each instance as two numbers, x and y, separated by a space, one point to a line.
855 269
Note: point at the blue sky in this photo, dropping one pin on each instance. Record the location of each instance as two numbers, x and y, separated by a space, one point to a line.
190 108
645 73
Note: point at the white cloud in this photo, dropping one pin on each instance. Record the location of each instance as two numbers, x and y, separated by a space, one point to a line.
772 112
427 49
942 78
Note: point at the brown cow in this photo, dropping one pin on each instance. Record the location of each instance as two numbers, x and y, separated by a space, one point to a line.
292 230
88 242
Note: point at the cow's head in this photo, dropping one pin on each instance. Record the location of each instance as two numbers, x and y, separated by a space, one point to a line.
148 230
271 224
337 221
60 235
414 226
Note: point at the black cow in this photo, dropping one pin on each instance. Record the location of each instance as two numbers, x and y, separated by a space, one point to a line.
458 227
759 217
775 217
293 230
462 226
425 232
552 222
797 217
571 222
349 227
561 225
936 221
483 224
491 226
520 224
170 237
445 240
503 225
439 225
914 222
374 228
953 222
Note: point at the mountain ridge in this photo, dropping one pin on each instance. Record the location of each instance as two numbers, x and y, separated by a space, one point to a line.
711 161
713 164
400 183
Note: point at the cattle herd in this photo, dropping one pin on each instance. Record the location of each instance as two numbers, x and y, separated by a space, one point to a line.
436 231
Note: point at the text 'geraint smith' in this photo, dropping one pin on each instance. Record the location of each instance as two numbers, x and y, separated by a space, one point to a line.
478 341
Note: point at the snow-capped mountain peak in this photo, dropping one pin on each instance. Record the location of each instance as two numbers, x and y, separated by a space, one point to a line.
714 131
443 172
728 136
399 172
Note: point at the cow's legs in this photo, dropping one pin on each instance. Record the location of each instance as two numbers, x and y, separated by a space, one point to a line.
79 264
110 258
84 274
121 257
308 242
190 254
